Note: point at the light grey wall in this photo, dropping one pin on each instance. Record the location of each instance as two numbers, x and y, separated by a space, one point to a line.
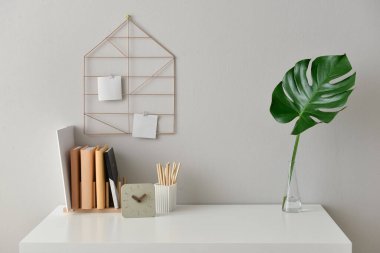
230 55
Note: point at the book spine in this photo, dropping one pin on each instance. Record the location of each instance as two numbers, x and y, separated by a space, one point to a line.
87 176
107 195
110 163
100 179
75 177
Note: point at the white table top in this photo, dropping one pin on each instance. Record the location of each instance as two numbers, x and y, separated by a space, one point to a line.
223 228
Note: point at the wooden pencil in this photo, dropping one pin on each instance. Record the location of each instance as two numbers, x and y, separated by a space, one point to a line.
162 175
173 172
167 174
176 173
158 174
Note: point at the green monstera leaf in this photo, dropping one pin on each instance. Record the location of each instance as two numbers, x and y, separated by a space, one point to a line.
315 102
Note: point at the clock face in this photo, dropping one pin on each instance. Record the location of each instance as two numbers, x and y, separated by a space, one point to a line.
137 200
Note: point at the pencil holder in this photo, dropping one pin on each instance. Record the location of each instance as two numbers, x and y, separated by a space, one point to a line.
166 197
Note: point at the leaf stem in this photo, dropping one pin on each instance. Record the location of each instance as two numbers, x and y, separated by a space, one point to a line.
294 154
295 148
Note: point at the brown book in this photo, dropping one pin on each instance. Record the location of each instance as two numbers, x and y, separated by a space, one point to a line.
100 177
75 176
87 177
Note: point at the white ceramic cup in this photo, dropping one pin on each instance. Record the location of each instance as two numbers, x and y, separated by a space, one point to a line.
166 197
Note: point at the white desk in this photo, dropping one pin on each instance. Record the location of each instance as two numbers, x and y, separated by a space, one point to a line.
191 229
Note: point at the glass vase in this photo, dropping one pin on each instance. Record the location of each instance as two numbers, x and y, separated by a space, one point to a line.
291 202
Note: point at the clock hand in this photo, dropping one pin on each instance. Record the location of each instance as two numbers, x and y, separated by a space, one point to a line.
142 196
139 199
136 198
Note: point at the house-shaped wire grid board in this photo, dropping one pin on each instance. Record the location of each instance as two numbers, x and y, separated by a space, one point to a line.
147 71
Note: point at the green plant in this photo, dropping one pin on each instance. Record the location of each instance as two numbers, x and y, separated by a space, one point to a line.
311 102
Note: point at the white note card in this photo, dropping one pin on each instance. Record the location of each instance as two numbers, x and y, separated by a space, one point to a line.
144 126
109 88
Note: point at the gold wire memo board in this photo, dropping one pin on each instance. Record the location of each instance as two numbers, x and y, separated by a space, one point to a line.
148 77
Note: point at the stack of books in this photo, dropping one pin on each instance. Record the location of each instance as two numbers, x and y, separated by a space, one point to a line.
94 180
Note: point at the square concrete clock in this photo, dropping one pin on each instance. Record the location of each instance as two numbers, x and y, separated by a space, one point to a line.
137 200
